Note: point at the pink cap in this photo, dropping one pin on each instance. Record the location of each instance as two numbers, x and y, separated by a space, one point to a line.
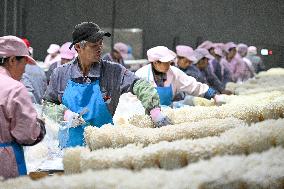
14 46
186 51
201 53
219 45
252 50
218 51
242 49
66 53
206 45
122 48
53 48
229 46
160 53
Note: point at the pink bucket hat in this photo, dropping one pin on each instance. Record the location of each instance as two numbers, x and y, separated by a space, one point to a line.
218 51
201 53
206 45
242 49
53 48
185 51
229 46
122 48
219 45
66 53
160 53
14 46
252 50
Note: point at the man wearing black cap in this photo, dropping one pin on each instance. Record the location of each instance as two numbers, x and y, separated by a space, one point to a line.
90 83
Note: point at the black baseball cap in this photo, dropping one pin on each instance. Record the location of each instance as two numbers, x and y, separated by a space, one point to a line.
87 31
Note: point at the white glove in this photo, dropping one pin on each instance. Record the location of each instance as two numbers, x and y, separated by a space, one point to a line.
73 118
219 100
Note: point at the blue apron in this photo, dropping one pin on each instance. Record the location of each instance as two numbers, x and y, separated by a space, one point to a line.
165 93
76 97
19 155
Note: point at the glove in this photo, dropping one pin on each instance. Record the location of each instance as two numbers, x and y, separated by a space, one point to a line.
178 104
219 100
73 118
158 118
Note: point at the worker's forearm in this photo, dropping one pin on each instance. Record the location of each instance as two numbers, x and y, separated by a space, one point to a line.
147 94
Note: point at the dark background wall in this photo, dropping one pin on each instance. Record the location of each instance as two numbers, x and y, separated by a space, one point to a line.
164 22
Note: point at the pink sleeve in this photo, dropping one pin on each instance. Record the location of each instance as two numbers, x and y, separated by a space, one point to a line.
23 116
240 70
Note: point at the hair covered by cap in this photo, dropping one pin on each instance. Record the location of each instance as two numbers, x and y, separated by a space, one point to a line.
206 45
201 53
252 50
242 48
186 51
122 48
160 53
14 46
67 53
88 31
228 46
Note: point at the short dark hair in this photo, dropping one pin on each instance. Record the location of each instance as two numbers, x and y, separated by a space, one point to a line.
3 60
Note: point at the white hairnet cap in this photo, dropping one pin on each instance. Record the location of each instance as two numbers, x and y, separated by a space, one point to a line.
201 53
252 50
186 51
229 46
242 49
160 53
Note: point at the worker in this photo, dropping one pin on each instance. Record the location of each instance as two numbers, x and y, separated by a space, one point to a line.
20 124
66 56
170 80
255 59
118 54
185 57
209 45
34 79
52 56
222 72
242 50
203 73
234 63
92 86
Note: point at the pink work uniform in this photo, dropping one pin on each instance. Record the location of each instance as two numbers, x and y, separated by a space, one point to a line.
18 123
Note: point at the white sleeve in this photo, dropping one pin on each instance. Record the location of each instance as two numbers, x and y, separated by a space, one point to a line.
188 84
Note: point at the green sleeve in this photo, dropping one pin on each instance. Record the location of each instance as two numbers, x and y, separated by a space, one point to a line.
147 94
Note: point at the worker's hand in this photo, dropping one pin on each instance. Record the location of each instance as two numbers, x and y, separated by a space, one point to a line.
73 118
159 119
219 100
227 92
